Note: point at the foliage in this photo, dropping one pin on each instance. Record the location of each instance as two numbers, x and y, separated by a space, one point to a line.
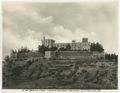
62 49
7 59
96 47
13 51
87 77
42 49
16 72
68 47
111 57
53 48
23 50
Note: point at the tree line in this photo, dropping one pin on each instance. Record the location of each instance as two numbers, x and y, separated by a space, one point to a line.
96 47
21 50
111 57
41 48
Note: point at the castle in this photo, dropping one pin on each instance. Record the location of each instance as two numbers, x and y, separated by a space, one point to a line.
84 45
78 50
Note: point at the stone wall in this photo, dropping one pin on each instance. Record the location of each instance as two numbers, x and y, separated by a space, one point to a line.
24 56
74 55
50 54
75 45
29 55
99 55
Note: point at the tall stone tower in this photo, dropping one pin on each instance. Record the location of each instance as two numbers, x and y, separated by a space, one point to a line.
48 42
84 40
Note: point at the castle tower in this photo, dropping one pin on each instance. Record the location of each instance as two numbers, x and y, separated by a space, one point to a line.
43 41
85 44
48 42
84 40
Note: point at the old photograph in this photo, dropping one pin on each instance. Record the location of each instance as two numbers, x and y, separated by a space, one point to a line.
60 45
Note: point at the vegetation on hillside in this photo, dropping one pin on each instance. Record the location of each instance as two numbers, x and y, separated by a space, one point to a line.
78 75
82 75
111 57
96 47
21 50
42 48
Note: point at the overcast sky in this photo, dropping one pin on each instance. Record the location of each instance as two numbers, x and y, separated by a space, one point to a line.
25 24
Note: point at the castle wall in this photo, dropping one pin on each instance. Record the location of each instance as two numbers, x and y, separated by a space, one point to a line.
98 55
50 54
61 45
59 55
74 55
23 56
84 45
68 55
75 46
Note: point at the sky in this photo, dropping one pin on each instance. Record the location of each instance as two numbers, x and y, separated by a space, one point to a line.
25 24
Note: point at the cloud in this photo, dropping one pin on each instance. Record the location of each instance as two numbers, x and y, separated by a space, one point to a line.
37 18
22 18
62 34
11 41
24 24
14 7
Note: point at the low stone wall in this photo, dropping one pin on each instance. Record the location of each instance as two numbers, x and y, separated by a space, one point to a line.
74 55
99 55
50 54
64 55
23 56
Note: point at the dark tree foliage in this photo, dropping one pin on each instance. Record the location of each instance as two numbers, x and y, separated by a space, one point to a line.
16 72
111 57
7 59
68 47
42 49
23 50
96 47
62 49
29 63
53 48
13 51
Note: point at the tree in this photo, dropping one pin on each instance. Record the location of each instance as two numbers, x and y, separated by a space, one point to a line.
62 49
23 50
42 49
111 57
7 59
96 47
16 74
68 47
53 48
